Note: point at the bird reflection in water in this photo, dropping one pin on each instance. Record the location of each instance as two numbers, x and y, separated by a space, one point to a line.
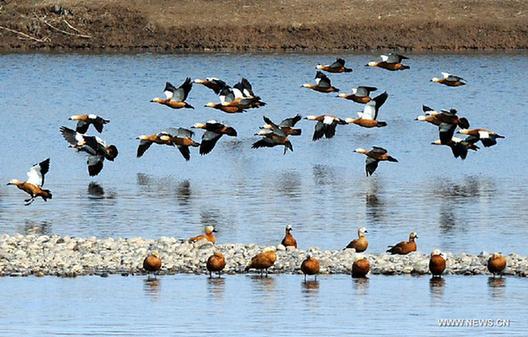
361 285
183 192
263 283
310 287
152 287
289 184
165 187
447 220
437 286
216 287
37 228
323 175
497 286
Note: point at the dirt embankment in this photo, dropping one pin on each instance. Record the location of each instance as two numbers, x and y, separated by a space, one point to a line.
267 25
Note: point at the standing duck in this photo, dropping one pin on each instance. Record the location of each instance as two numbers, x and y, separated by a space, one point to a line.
374 156
360 268
286 126
208 235
145 141
182 139
310 266
390 62
84 121
337 67
263 261
215 264
437 263
272 138
404 247
368 118
35 181
361 243
449 80
175 97
325 126
95 147
289 240
496 264
152 263
487 137
214 131
360 94
322 84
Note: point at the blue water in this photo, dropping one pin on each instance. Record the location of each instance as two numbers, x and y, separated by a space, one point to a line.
472 205
190 305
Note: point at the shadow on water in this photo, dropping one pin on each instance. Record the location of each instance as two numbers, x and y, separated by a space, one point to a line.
437 287
96 191
37 228
152 287
497 286
263 283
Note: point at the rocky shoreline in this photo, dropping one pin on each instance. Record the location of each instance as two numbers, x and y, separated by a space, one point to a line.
25 255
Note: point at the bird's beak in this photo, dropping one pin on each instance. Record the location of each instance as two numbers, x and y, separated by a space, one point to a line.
215 231
366 231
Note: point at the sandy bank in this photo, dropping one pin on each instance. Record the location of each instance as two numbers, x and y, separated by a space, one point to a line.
64 256
235 26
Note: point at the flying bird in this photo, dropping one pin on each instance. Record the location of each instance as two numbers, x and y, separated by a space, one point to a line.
391 62
212 83
175 97
145 141
84 121
337 67
368 118
213 132
287 125
449 80
322 84
182 139
360 94
95 147
325 126
35 181
487 137
374 156
272 138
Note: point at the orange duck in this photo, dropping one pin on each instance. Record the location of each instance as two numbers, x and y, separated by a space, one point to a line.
404 247
374 156
289 240
322 84
310 266
152 263
325 126
437 263
368 118
337 67
84 121
175 97
286 126
182 139
263 261
449 80
145 141
360 268
360 94
361 243
35 181
390 62
215 264
208 235
496 264
213 132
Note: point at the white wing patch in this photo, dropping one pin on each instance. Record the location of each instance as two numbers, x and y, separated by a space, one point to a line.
369 111
34 175
92 116
169 94
238 93
384 58
446 75
484 134
328 120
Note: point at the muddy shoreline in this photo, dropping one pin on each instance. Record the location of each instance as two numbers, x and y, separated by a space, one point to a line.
262 26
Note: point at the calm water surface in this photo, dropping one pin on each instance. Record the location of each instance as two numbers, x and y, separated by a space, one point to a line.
191 305
472 205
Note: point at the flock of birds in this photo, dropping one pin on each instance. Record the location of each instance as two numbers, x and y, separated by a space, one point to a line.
311 266
241 97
